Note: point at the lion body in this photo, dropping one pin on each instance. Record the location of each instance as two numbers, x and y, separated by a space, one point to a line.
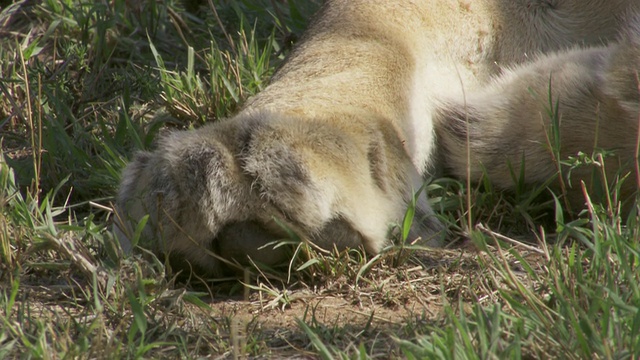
339 142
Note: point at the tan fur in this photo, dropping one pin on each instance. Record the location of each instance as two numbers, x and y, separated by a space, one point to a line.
337 144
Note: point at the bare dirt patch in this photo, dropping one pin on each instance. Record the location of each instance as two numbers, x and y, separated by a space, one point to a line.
356 311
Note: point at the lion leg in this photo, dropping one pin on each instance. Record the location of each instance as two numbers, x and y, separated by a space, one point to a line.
195 193
343 182
227 190
590 96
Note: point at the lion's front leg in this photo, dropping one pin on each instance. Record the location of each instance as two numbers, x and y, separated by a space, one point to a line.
345 179
227 189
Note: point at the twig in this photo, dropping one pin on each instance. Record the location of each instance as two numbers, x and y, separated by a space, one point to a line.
508 239
65 247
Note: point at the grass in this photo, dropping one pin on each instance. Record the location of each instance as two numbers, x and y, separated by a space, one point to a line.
85 84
